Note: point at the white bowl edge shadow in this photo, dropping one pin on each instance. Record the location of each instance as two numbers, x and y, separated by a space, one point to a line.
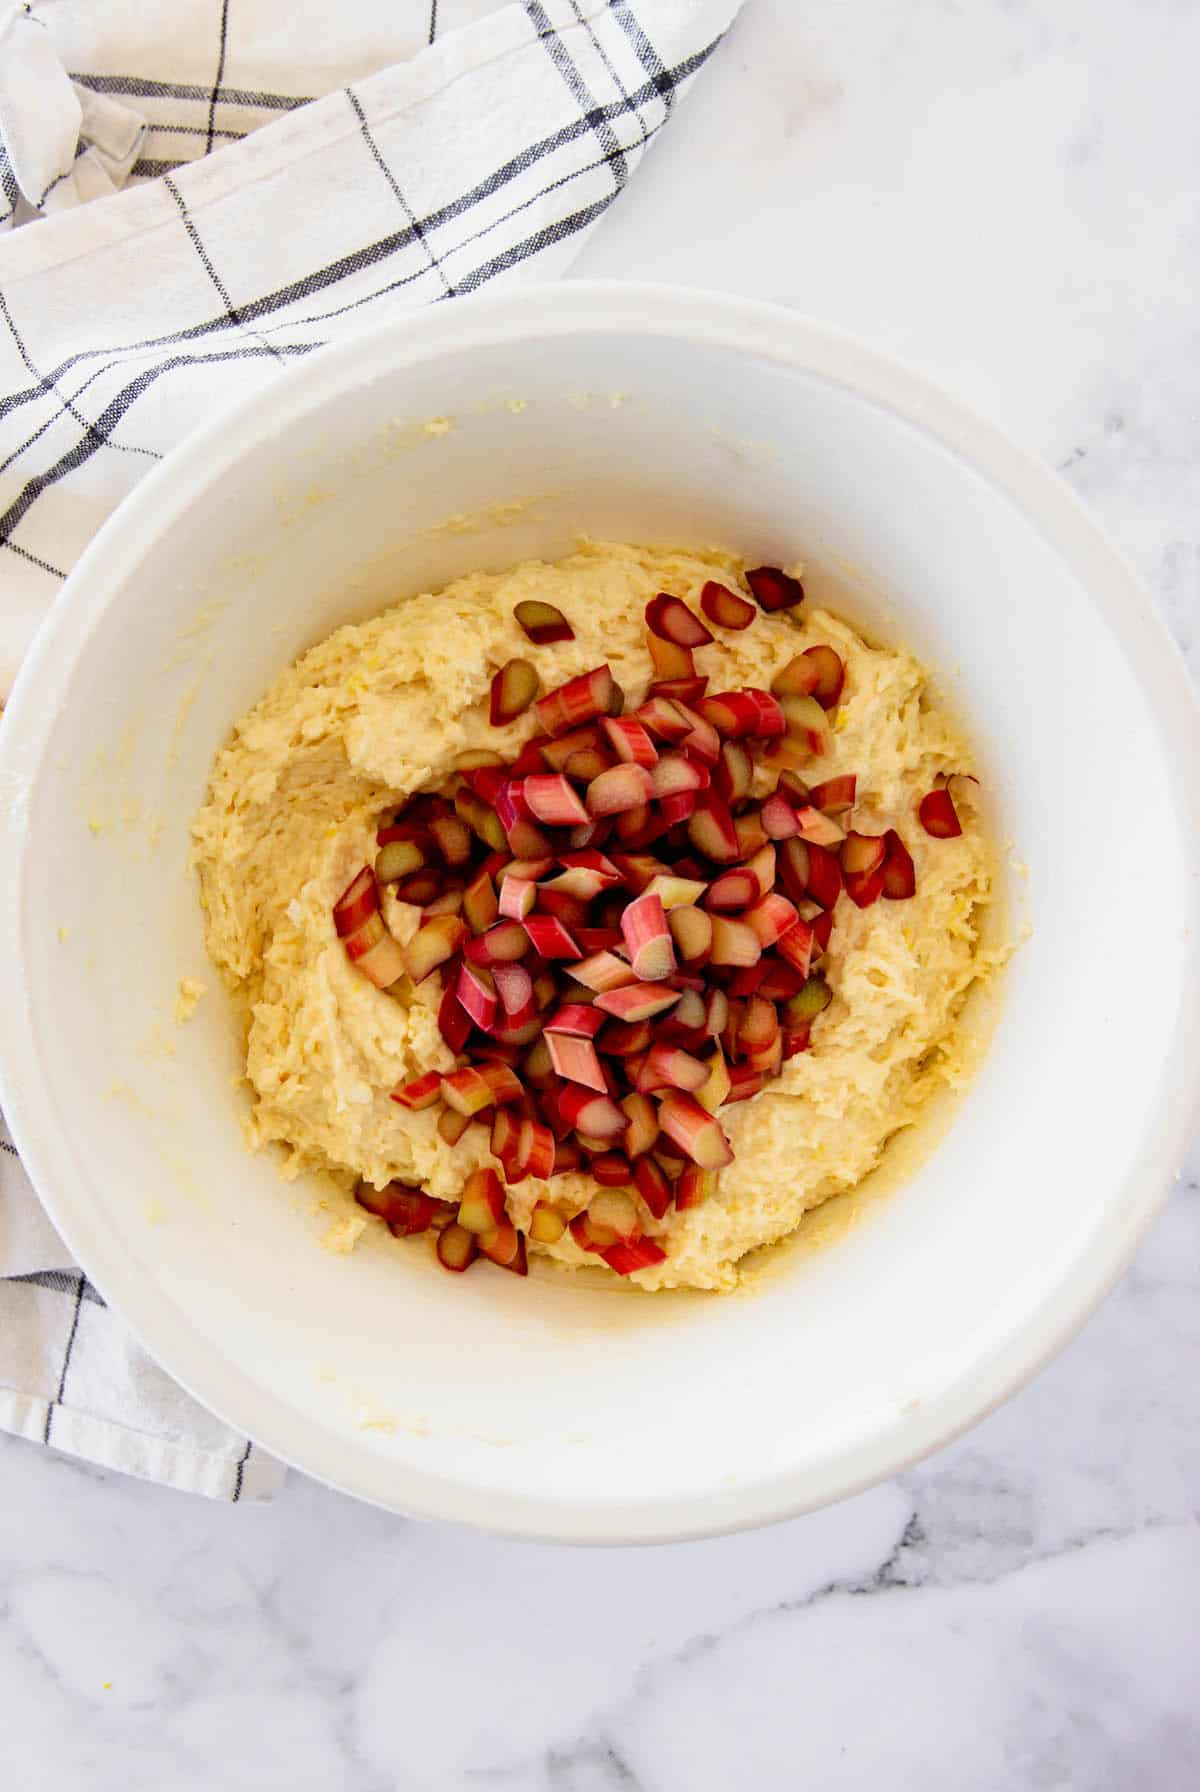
764 332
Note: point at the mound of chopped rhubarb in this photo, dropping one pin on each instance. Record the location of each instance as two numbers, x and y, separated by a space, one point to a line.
628 940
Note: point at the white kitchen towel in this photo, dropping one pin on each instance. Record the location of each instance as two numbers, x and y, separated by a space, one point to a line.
256 224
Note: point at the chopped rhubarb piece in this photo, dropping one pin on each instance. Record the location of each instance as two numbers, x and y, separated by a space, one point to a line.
684 690
693 1187
674 774
629 740
422 888
824 877
546 1224
590 1237
505 1246
564 907
536 1066
513 689
628 1258
774 588
542 622
603 970
433 945
652 1185
732 891
357 902
731 713
675 892
795 946
733 942
638 1001
715 1089
400 858
711 830
638 871
749 833
807 730
487 779
716 1015
482 1203
452 1125
501 944
899 872
758 1025
863 852
481 818
670 619
817 828
670 660
552 800
864 888
567 1157
938 815
648 938
527 870
585 765
555 753
835 795
594 1115
452 837
678 808
396 1204
374 952
578 1018
621 787
747 978
725 607
744 1082
812 999
467 1091
733 773
422 1092
456 1248
611 1170
535 1149
779 980
778 817
549 937
701 740
621 1039
514 988
477 993
771 918
639 826
577 701
454 1023
517 897
575 1059
691 929
594 834
503 1082
798 678
696 1133
449 904
665 718
642 1131
831 675
672 1067
505 1137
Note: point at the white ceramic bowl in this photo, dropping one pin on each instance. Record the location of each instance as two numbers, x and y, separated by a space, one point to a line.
540 1408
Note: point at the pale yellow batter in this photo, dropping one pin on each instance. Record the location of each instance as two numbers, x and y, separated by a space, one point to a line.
381 710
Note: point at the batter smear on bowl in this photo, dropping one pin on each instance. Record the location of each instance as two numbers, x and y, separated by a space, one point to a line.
618 910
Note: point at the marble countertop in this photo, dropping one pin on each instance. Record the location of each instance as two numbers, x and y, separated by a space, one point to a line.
1004 195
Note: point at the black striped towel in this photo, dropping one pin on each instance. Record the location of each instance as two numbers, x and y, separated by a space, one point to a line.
144 281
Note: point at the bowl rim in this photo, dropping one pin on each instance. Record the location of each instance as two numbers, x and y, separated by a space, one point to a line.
616 308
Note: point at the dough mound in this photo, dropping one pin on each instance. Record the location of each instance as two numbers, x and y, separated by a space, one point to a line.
383 708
